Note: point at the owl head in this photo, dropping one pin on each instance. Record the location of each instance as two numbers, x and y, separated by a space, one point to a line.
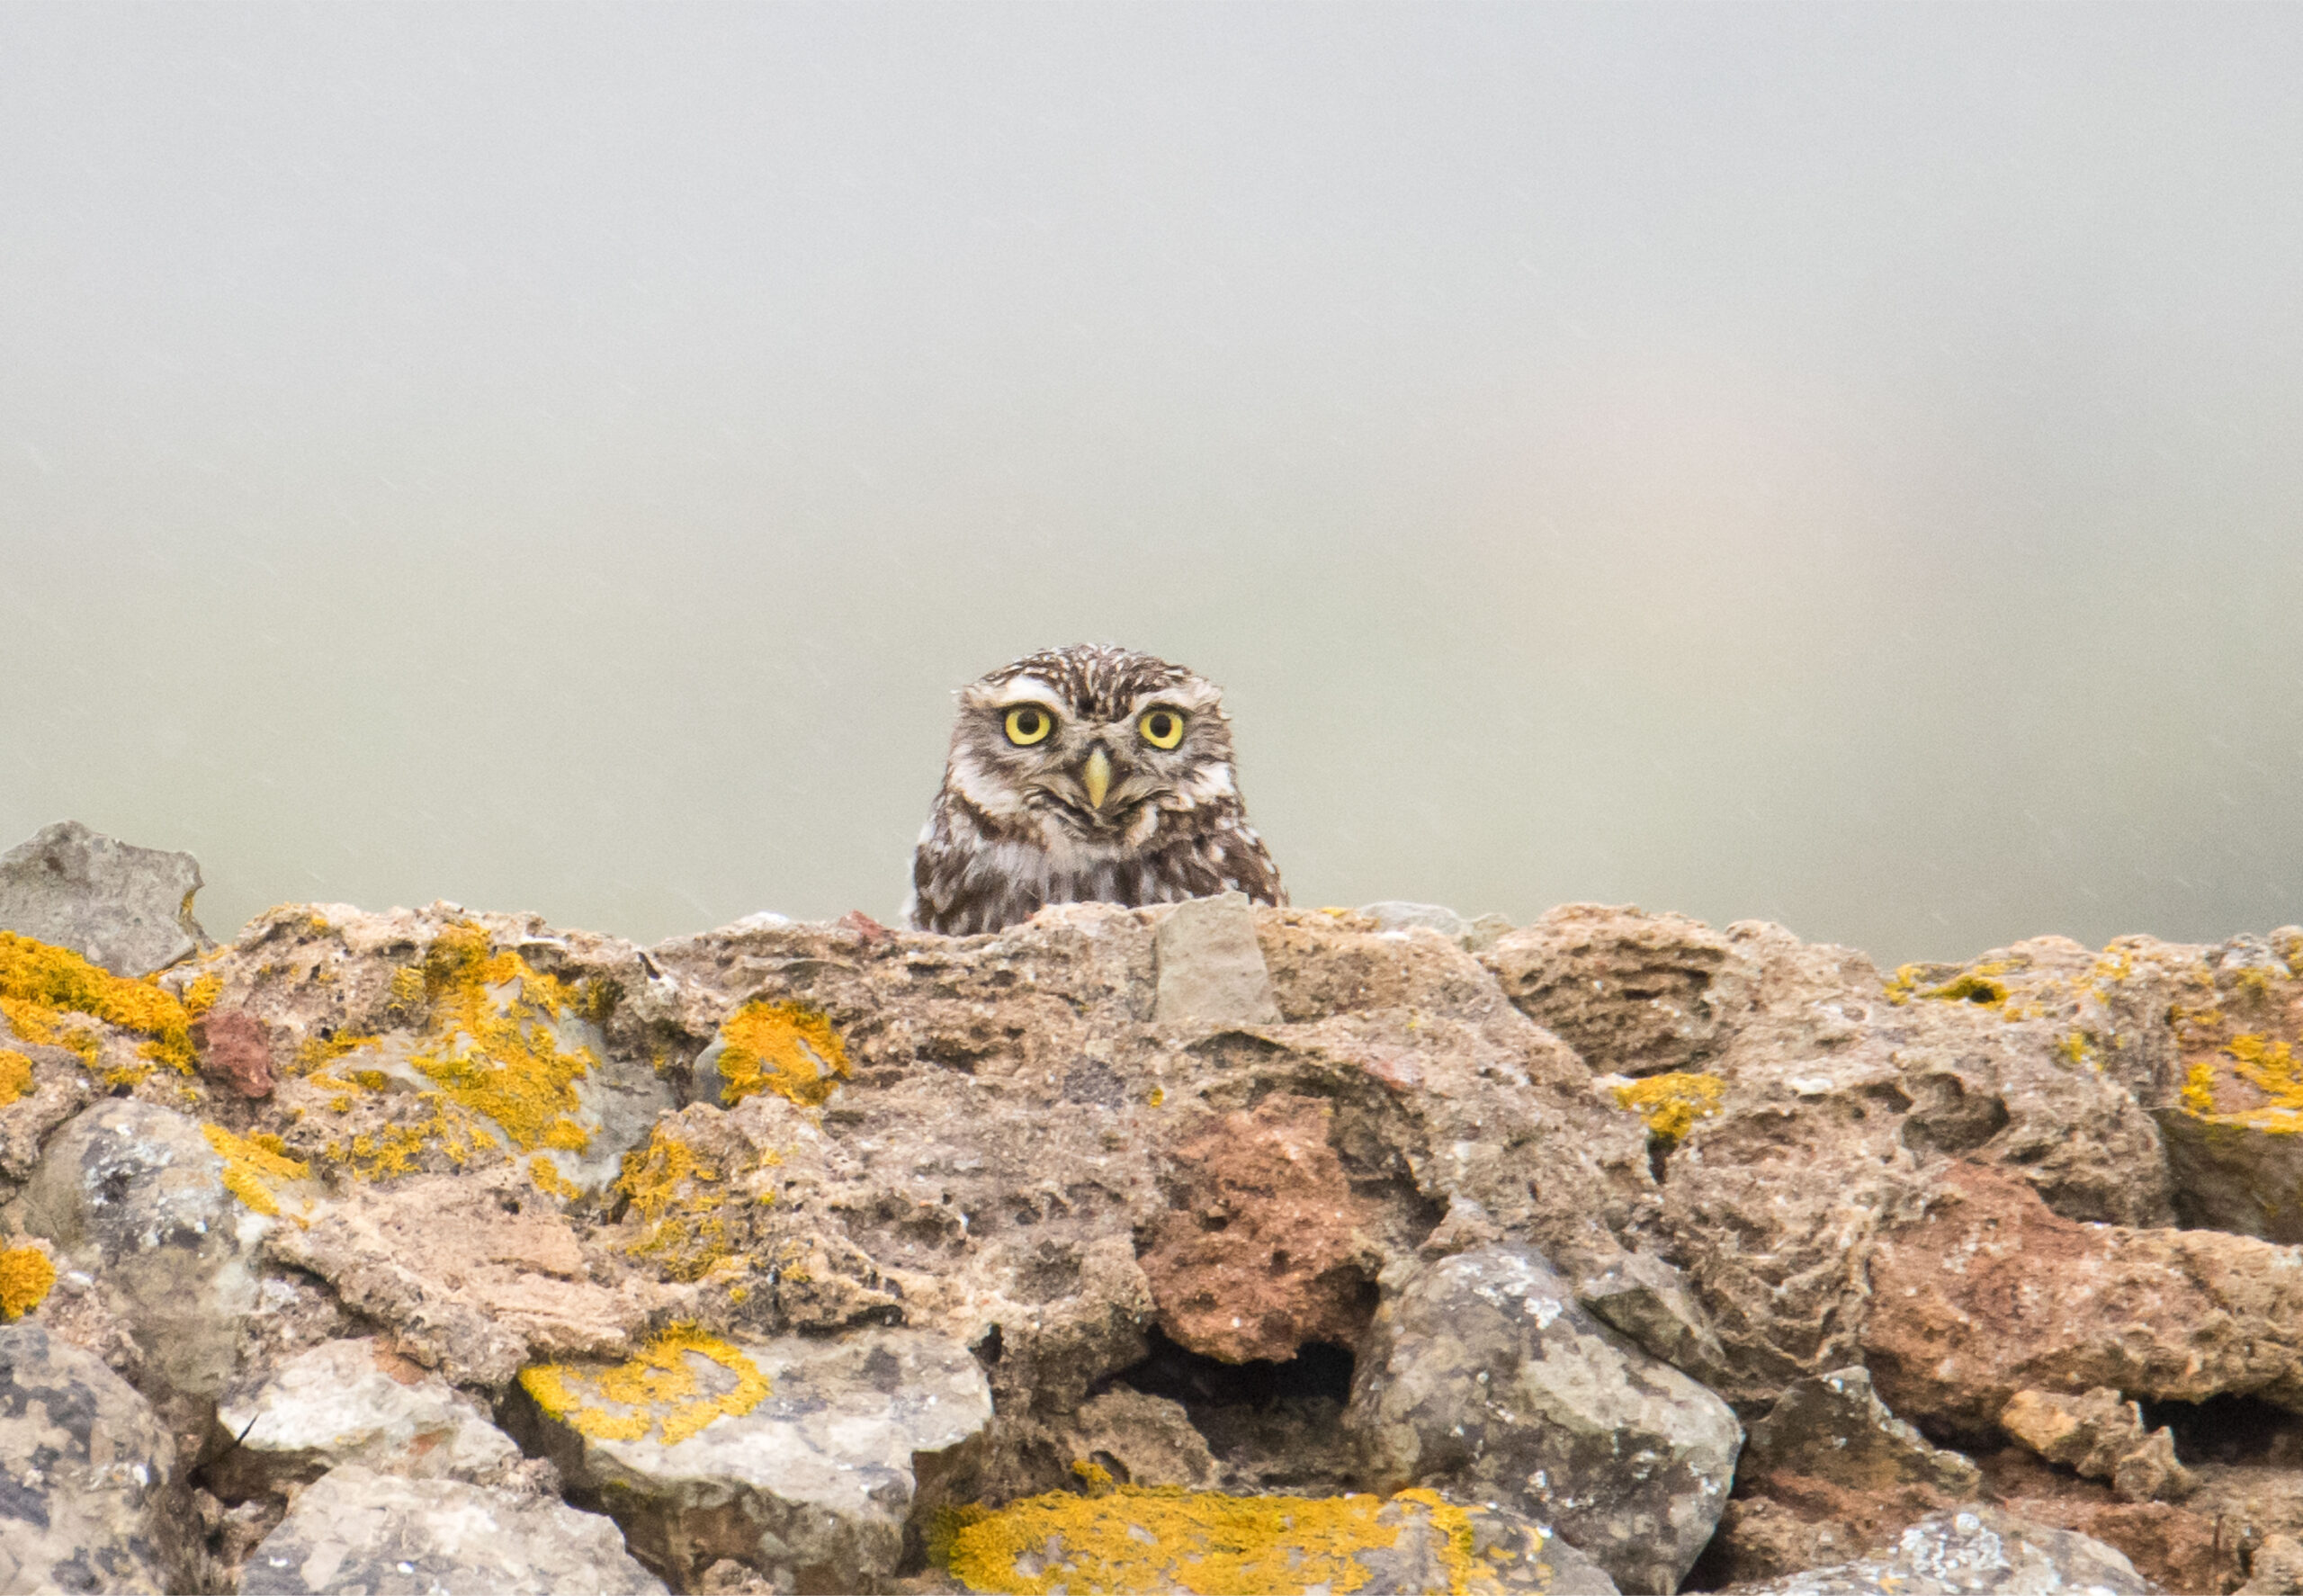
1093 744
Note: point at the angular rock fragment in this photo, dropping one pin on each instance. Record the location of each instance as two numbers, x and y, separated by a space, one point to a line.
1212 972
1649 1301
353 1402
127 908
137 1197
1835 1429
361 1533
803 1459
1480 1376
1472 935
1128 1539
85 1468
1971 1552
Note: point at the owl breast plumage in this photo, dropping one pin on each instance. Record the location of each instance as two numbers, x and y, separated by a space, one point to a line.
1085 773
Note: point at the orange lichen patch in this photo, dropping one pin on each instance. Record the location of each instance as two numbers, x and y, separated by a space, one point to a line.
493 1049
1672 1104
1163 1538
780 1047
200 996
680 1199
249 1162
26 1275
657 1389
16 1076
2199 1090
40 983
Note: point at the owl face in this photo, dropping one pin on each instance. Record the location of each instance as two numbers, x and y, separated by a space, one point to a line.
1091 747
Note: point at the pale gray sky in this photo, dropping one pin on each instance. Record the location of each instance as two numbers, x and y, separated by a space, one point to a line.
1837 464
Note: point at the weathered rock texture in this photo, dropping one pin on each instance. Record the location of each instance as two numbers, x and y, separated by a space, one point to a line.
126 909
1240 1203
1970 1552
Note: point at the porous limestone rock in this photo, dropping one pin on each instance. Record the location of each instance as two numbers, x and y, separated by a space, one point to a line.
134 1196
1972 1551
354 1401
1798 1100
803 1459
476 1276
1986 1292
1211 969
359 1533
85 1471
127 908
1483 1378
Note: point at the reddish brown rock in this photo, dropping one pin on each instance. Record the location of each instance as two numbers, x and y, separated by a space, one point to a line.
1262 1248
2178 1548
1986 1292
234 1049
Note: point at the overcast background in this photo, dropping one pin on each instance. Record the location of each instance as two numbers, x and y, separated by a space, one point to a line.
1835 464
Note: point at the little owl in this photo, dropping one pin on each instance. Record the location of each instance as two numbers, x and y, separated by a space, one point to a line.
1081 774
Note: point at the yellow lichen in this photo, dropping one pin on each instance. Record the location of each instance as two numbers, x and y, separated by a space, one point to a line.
494 1051
2270 1066
1094 1477
38 982
249 1162
2074 1050
1670 1103
780 1047
2199 1089
1977 985
547 1178
680 1199
200 996
16 1076
26 1275
1162 1537
660 1377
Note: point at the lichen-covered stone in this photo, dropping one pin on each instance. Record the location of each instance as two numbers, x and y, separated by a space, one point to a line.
127 908
354 1532
85 1471
354 1401
1481 1377
1972 1551
803 1459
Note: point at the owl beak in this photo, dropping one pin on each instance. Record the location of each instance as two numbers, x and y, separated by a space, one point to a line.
1096 776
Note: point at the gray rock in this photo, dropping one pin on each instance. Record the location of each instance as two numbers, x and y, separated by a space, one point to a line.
1970 1551
1649 1301
1470 934
355 1402
1212 971
812 1486
132 1194
127 908
1481 1377
85 1466
367 1534
1835 1428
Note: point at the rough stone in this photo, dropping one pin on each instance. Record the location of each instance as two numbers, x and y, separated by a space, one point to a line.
1264 1246
1212 972
1973 1550
2276 1569
1472 935
1481 1375
475 1277
1835 1429
134 1196
813 1486
2102 1436
1649 1301
127 908
354 1400
235 1049
1986 1292
361 1533
85 1471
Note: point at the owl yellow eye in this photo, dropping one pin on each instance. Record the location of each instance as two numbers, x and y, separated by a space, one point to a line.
1027 723
1161 728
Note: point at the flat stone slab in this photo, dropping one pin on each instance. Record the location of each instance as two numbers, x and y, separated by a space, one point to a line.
126 907
800 1457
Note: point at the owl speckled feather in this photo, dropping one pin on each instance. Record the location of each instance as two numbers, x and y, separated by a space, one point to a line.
1085 773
